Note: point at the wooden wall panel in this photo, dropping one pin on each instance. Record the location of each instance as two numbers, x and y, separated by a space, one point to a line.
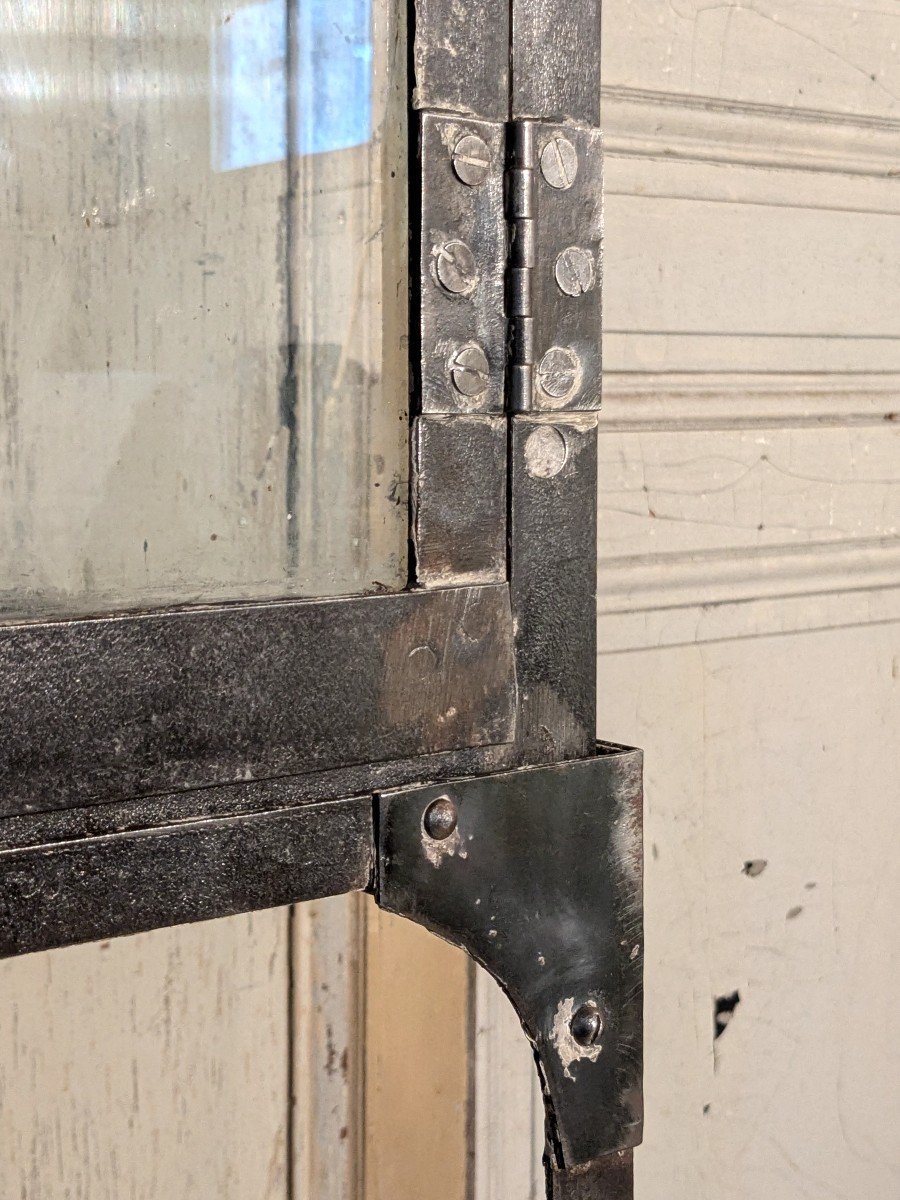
148 1067
416 1063
780 752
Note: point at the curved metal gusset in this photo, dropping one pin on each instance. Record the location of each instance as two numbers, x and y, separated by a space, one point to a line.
537 873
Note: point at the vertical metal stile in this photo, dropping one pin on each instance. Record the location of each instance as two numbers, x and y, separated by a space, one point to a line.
458 471
549 251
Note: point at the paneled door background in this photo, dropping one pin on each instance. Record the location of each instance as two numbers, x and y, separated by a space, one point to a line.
749 629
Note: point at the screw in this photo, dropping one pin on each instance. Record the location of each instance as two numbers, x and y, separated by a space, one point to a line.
558 372
586 1025
471 159
575 271
440 818
559 162
469 370
456 267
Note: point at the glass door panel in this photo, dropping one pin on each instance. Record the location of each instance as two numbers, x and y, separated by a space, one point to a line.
203 302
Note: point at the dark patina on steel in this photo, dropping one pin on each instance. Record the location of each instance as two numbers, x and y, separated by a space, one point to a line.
553 567
540 881
59 893
458 494
120 707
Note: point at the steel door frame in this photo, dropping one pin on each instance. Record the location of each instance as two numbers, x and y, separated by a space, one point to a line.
184 764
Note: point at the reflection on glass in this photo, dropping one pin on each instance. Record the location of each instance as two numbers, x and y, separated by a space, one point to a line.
202 311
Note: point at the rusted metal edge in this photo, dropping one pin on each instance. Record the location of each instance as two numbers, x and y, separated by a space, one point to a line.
608 1178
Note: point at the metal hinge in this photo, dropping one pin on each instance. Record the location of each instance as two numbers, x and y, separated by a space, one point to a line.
554 191
509 256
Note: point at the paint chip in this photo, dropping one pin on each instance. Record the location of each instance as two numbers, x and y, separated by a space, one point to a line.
755 866
725 1007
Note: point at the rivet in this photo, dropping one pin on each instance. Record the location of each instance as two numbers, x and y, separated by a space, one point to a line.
545 452
440 818
469 370
575 271
558 372
559 162
471 159
586 1024
455 267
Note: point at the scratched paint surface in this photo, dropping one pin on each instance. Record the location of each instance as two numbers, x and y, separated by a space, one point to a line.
202 389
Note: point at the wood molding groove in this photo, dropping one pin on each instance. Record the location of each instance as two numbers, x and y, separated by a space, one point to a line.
649 124
739 574
635 401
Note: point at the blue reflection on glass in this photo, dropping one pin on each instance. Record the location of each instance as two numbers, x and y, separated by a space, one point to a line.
332 65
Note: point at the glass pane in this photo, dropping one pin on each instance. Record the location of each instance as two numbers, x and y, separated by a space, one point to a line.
203 301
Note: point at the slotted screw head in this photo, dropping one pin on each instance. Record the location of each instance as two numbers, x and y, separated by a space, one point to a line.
559 162
456 270
575 271
469 370
440 818
586 1025
471 159
558 372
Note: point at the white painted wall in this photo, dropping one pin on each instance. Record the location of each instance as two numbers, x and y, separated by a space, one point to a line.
749 619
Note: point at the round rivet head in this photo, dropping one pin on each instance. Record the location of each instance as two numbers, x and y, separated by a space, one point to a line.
574 271
471 160
469 370
545 452
559 162
455 267
586 1025
440 818
558 373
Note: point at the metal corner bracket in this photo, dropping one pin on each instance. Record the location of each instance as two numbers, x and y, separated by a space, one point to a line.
537 874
